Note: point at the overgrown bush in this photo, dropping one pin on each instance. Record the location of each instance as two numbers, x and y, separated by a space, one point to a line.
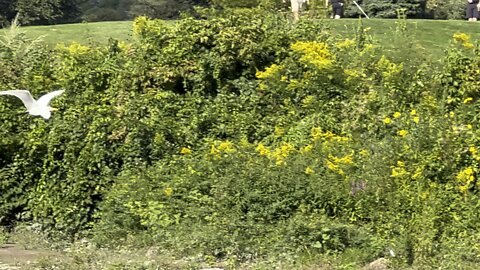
239 135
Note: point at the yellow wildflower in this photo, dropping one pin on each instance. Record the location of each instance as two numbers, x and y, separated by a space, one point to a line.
309 170
468 45
461 37
168 191
402 133
387 120
226 146
345 44
467 100
316 133
397 115
77 49
399 170
279 131
416 119
185 151
315 53
269 72
413 112
466 177
262 150
308 100
214 151
306 149
363 152
418 173
474 151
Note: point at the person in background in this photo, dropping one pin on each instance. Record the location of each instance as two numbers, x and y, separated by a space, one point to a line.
472 10
337 8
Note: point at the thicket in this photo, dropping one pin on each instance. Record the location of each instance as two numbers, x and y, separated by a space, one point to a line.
239 135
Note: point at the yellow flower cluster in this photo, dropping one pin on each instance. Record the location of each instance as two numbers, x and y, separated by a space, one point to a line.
336 163
262 150
474 151
464 39
269 72
399 170
309 170
415 117
185 151
466 178
353 74
389 69
402 133
278 154
74 48
168 191
315 53
318 134
345 44
219 148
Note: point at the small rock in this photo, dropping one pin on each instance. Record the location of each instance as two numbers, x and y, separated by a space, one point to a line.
378 264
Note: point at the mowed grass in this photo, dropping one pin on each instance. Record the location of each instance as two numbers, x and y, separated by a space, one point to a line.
84 33
433 35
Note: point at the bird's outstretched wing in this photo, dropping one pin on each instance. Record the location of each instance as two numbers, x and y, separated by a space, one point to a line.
45 99
24 95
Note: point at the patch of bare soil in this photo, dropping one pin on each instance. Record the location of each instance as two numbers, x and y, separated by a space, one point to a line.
15 256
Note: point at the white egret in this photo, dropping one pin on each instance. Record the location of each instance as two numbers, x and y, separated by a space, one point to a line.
35 107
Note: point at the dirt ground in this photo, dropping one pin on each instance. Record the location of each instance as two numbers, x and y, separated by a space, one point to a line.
14 257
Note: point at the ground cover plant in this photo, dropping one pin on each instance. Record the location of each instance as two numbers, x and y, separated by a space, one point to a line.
240 139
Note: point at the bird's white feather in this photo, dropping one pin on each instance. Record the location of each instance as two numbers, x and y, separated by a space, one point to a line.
23 95
44 100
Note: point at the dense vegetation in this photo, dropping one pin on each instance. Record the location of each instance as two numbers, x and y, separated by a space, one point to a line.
240 137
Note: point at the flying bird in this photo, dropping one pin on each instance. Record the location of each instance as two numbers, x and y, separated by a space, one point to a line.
35 107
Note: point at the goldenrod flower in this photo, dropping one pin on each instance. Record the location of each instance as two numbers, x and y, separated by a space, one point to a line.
466 177
279 131
306 149
168 191
467 100
262 150
316 53
185 151
461 37
468 45
269 72
345 44
226 146
402 133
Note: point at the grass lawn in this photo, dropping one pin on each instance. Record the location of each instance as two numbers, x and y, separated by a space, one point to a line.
433 35
81 32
